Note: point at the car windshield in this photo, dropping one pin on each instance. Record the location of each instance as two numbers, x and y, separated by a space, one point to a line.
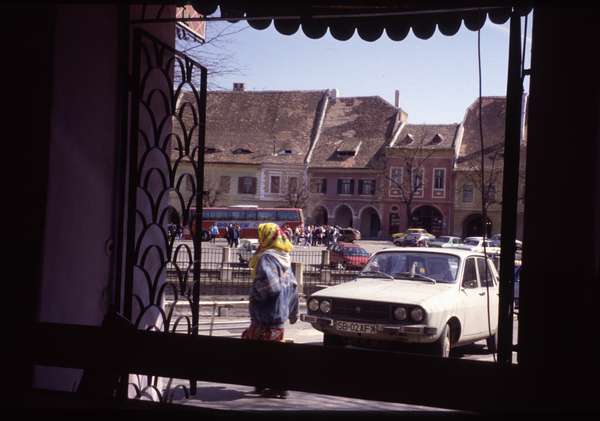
401 265
472 242
443 239
354 251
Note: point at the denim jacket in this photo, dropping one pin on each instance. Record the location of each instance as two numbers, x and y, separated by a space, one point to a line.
273 294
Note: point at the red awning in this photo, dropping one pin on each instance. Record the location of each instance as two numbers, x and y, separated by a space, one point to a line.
369 18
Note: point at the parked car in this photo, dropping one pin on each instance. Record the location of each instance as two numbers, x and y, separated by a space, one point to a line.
517 281
348 256
413 240
445 241
400 235
495 239
246 249
433 299
349 235
476 244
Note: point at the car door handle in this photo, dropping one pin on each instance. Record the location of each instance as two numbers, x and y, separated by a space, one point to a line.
482 293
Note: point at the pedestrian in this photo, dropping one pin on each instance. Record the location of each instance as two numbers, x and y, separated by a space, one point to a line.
229 235
214 232
235 236
273 297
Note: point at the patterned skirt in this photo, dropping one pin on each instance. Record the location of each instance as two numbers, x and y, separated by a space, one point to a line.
263 333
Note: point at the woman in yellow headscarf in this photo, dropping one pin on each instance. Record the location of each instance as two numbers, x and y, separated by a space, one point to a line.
274 292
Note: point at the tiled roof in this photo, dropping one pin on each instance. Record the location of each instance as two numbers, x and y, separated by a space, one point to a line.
256 127
354 133
427 136
493 120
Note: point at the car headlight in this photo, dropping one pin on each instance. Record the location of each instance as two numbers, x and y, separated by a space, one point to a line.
400 313
417 314
325 306
313 304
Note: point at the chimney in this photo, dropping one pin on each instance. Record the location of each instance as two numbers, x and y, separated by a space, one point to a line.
237 86
397 102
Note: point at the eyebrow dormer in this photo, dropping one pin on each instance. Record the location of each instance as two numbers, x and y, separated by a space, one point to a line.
241 151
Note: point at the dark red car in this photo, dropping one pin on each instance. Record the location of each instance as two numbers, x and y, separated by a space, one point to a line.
348 256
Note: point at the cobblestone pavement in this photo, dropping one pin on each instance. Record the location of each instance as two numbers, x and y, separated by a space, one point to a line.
240 398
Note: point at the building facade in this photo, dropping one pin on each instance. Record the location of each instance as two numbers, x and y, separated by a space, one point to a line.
347 162
418 188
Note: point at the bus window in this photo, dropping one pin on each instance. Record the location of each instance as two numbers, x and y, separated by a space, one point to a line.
288 216
266 215
208 214
222 215
238 215
250 215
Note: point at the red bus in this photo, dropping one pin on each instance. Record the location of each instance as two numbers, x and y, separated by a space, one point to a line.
248 218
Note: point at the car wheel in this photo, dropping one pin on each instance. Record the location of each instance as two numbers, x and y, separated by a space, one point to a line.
492 343
443 345
333 340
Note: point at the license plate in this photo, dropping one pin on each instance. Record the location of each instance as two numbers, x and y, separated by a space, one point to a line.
355 327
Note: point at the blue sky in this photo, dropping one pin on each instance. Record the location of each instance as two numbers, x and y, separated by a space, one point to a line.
437 78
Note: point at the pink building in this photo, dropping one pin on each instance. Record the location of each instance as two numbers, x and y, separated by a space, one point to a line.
418 188
347 161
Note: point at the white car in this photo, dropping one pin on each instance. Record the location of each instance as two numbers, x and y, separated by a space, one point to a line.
445 241
434 298
476 244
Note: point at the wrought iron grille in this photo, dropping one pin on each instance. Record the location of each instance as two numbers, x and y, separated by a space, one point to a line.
165 178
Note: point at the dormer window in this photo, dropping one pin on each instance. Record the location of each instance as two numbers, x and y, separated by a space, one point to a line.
240 151
209 149
285 152
438 138
348 149
408 139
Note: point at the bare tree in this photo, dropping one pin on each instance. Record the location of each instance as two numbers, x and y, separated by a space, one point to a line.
215 52
492 173
212 192
409 184
298 198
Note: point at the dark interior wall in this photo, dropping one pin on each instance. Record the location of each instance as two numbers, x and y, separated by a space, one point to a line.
76 265
560 281
26 92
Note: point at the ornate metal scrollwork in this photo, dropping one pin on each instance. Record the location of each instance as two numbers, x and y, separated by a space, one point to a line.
168 109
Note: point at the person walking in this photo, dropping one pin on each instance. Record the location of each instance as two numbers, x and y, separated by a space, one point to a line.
214 232
273 296
236 236
229 235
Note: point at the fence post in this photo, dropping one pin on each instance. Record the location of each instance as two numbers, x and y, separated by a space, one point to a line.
298 269
226 270
325 267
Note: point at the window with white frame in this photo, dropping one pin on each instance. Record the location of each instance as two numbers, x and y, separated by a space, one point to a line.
318 185
293 184
247 185
467 193
491 193
366 187
274 184
439 182
395 181
418 181
345 186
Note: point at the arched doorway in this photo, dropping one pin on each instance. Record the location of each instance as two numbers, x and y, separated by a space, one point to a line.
319 216
429 218
343 216
370 223
473 226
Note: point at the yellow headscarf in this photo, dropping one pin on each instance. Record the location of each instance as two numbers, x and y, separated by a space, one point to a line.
270 236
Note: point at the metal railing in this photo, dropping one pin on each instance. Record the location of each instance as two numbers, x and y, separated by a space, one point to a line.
225 271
